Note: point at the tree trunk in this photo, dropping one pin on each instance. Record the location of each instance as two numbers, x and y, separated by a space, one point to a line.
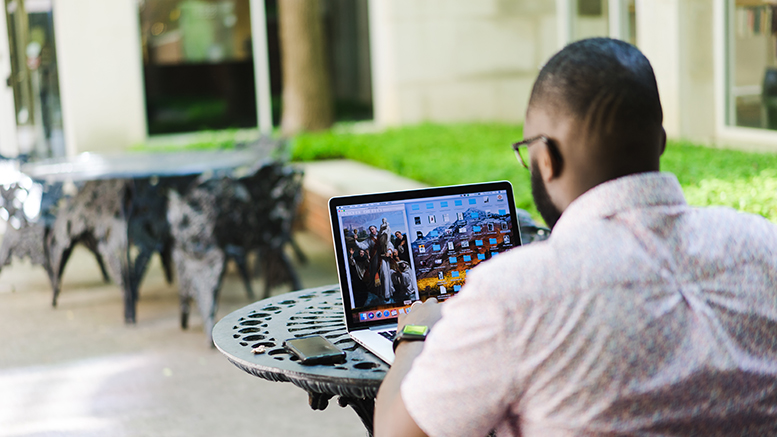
307 90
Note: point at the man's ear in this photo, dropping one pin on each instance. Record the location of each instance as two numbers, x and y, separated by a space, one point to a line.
545 164
550 165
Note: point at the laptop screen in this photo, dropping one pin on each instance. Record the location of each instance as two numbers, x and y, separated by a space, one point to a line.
397 248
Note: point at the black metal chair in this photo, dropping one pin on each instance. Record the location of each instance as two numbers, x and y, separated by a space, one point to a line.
29 208
111 217
222 218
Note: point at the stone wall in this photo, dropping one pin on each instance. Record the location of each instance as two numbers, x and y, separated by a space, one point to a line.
100 74
457 60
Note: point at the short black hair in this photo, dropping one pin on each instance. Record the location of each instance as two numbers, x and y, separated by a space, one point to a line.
607 83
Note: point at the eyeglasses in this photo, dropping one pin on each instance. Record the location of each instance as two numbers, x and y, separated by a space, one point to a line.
527 142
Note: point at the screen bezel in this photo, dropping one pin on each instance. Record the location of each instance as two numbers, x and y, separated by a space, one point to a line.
409 195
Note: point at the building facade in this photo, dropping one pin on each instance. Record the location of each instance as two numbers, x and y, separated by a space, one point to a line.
119 64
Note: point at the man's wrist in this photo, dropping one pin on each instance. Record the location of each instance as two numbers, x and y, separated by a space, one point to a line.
410 333
405 348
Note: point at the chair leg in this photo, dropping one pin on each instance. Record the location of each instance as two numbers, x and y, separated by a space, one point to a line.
200 278
242 267
301 257
258 266
101 263
139 267
55 273
185 308
135 270
91 244
167 261
130 302
278 270
209 305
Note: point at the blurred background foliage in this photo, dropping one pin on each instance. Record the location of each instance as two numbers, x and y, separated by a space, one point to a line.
448 154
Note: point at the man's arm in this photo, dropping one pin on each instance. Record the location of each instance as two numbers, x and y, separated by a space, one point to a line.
391 416
363 245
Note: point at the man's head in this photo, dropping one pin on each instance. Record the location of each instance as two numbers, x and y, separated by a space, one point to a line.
373 230
398 234
597 103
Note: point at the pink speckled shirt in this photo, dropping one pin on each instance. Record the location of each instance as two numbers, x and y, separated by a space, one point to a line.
640 315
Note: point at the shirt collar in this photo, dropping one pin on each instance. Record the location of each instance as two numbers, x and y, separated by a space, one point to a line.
629 192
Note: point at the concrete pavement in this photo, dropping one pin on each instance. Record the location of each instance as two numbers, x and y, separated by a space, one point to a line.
78 370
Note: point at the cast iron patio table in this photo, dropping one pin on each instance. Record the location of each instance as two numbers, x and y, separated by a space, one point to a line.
120 207
265 324
270 321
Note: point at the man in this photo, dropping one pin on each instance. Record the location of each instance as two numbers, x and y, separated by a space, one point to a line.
640 315
400 244
402 279
369 245
359 265
381 251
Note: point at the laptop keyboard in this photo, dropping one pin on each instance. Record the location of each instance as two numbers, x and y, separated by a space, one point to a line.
390 334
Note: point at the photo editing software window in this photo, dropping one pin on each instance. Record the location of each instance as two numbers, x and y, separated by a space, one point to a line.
402 251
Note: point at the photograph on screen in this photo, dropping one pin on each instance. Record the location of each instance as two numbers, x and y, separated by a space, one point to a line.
379 261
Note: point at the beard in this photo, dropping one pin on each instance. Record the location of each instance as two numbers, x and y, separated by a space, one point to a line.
545 206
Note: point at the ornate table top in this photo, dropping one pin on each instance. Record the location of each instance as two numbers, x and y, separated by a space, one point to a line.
307 312
93 166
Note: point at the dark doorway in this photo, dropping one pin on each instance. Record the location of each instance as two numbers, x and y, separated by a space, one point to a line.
198 65
199 70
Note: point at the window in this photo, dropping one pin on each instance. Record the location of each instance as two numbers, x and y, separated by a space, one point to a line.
590 19
34 79
580 19
198 65
627 21
199 68
752 64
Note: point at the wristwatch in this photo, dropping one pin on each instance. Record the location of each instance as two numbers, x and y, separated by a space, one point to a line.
411 333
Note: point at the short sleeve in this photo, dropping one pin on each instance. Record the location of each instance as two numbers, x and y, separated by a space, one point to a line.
458 385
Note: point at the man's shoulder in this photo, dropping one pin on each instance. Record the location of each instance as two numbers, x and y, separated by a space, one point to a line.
595 245
727 223
521 272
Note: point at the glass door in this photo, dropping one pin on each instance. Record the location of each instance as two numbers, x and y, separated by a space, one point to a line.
580 19
7 118
590 19
752 64
197 64
34 78
623 20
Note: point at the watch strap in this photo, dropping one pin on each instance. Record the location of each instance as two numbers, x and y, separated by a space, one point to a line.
410 333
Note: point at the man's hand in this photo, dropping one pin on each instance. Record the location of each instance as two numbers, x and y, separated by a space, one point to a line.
421 313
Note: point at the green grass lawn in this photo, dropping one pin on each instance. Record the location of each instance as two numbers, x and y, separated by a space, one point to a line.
464 153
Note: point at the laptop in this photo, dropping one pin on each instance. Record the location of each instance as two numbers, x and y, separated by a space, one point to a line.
395 248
